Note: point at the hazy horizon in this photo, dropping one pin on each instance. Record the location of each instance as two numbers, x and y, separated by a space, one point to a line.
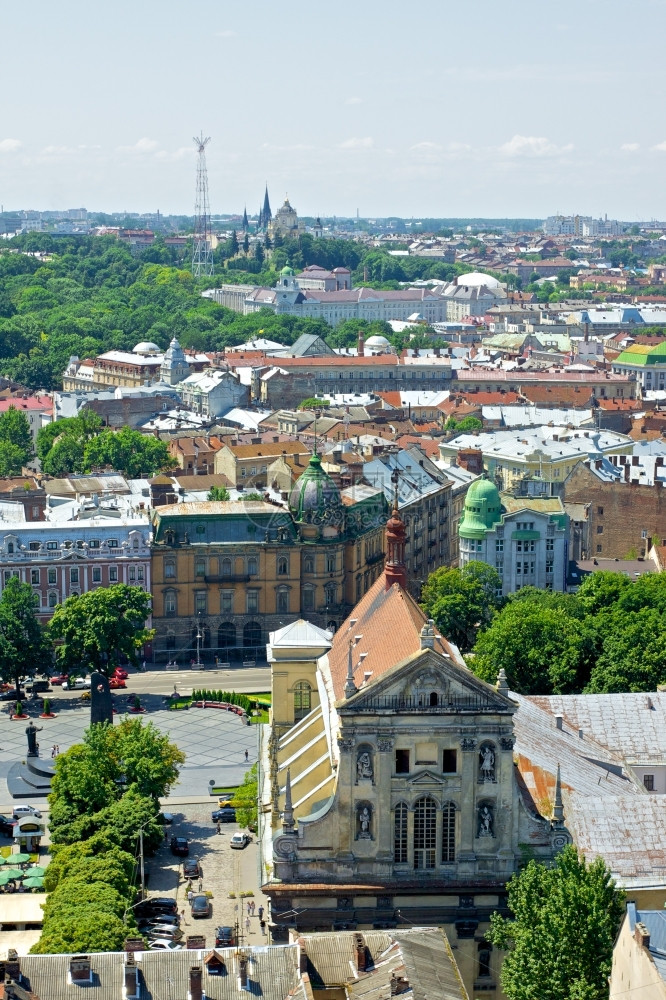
438 110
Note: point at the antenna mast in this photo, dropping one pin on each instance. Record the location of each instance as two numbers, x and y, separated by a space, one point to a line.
202 252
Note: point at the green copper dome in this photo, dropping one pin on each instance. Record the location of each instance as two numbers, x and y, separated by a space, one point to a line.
483 509
315 498
286 271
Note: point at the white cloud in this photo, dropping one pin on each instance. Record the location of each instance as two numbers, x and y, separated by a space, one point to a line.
228 33
425 147
143 145
10 145
661 147
629 147
366 143
354 100
532 145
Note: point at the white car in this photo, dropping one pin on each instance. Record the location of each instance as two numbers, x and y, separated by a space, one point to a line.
76 683
20 811
164 944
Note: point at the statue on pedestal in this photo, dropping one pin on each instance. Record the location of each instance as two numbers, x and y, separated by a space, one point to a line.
31 731
101 709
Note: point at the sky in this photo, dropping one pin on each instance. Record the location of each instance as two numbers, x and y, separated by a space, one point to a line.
429 108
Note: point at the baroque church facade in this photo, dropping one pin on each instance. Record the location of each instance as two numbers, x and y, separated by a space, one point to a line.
388 787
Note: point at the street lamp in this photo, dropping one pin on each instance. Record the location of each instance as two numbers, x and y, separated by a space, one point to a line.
199 637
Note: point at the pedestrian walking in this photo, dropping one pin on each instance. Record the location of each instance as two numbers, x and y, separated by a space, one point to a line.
262 924
53 751
219 827
247 756
200 884
182 916
247 924
190 896
261 913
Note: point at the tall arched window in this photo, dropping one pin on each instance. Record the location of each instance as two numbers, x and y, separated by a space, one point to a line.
225 567
302 699
170 606
448 832
308 564
425 833
283 566
400 834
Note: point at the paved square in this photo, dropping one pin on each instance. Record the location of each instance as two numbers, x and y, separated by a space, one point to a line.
214 742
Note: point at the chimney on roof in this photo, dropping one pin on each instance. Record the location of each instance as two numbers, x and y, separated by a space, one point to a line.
302 956
242 971
361 344
131 976
502 685
13 964
80 970
642 935
361 959
196 984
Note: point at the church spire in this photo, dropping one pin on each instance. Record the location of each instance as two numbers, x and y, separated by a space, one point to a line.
558 808
395 570
245 222
267 215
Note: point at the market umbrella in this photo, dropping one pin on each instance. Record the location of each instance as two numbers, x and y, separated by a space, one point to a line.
12 873
16 859
6 877
35 871
33 883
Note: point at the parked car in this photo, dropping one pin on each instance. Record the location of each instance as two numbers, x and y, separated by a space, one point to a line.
59 679
11 695
76 683
225 937
165 931
201 906
226 815
120 673
240 840
164 944
38 687
162 918
20 811
154 927
180 846
7 826
116 682
191 868
155 904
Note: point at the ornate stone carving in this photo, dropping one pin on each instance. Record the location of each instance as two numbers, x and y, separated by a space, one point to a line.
385 744
364 771
507 742
466 902
486 821
345 903
467 744
487 762
364 821
345 745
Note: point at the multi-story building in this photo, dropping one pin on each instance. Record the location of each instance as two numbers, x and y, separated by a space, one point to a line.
525 539
246 465
81 545
646 363
212 393
547 453
600 384
233 570
424 494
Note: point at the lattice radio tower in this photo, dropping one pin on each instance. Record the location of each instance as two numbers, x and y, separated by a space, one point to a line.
202 252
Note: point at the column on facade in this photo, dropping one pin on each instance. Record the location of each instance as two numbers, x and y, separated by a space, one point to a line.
468 746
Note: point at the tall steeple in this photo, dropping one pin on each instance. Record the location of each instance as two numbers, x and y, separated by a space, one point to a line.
267 215
245 222
395 570
558 807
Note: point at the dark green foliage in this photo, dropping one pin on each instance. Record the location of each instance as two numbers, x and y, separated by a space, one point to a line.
460 601
24 647
218 493
246 798
15 442
468 425
230 697
560 940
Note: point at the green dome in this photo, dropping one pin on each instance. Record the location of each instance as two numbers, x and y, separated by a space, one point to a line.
483 509
315 498
287 270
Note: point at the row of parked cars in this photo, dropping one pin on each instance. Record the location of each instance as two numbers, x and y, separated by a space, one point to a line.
68 683
158 920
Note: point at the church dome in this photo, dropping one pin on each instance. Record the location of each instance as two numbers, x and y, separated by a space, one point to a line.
377 341
287 271
315 498
483 509
476 278
145 347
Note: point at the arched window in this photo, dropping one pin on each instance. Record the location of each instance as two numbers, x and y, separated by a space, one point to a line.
10 547
282 601
448 832
425 833
484 970
433 699
170 602
225 567
252 566
53 599
226 635
308 564
307 598
283 566
400 834
331 591
302 699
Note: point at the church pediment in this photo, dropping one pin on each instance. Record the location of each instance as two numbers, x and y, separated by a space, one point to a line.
429 682
427 778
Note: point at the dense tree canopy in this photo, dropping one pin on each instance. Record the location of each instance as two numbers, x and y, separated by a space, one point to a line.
460 601
95 630
561 935
16 448
24 648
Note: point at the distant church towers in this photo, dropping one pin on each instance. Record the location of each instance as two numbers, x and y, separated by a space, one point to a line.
265 214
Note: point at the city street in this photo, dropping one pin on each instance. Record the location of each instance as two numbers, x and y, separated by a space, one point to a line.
240 679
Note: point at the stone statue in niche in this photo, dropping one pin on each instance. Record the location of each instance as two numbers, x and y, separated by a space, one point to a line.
364 766
364 823
487 763
485 822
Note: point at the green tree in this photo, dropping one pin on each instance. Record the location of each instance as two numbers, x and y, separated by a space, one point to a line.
468 425
543 649
66 859
313 403
24 647
602 590
15 434
94 631
259 252
560 938
61 445
218 493
246 798
128 451
81 930
460 601
12 459
633 651
233 244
